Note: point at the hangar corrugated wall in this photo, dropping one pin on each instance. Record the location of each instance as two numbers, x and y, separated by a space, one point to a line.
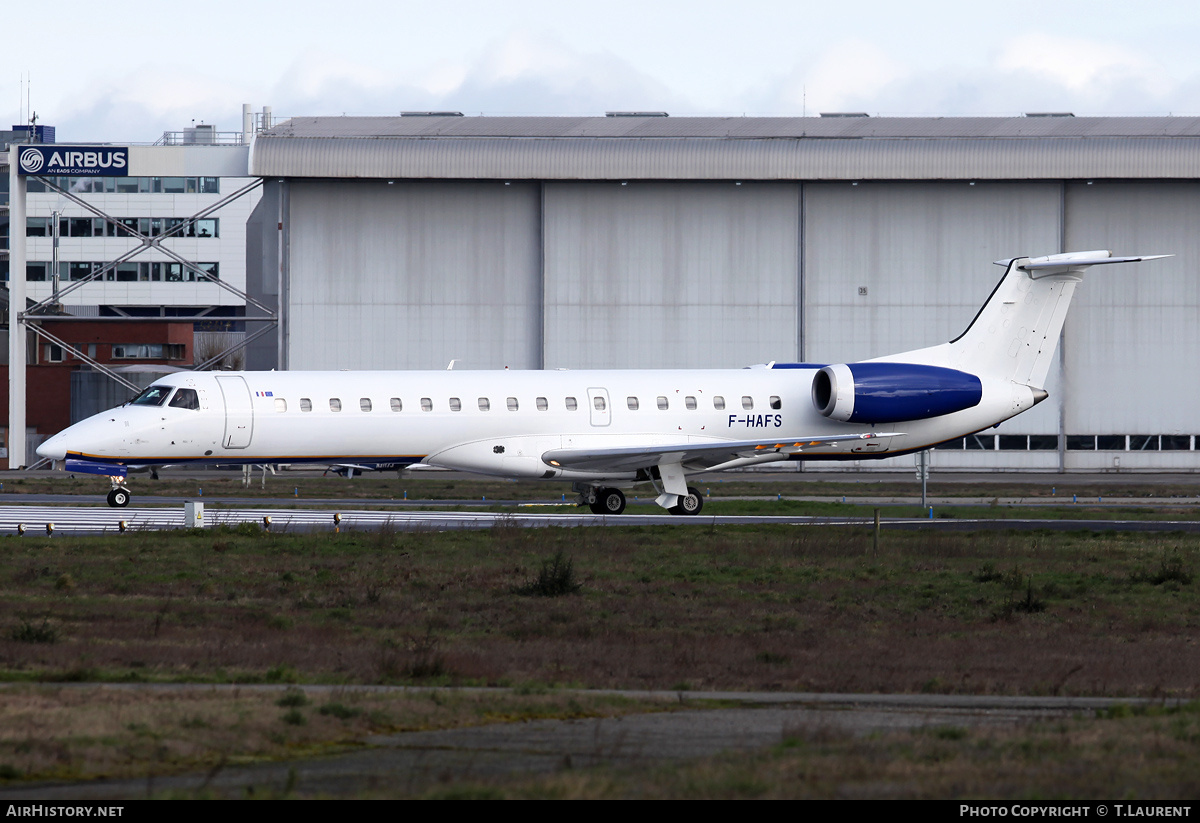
390 272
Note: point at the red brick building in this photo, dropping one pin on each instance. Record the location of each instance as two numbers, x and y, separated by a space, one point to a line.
114 344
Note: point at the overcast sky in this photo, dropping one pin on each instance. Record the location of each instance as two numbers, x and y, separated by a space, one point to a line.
126 70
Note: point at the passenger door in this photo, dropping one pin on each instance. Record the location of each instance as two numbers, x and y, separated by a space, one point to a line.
239 412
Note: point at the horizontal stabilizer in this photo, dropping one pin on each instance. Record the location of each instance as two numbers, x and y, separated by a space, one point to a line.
703 454
1083 259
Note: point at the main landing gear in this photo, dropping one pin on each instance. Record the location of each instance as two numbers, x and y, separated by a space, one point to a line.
605 501
689 504
119 496
612 501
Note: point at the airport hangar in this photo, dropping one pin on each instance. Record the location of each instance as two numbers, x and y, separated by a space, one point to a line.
638 240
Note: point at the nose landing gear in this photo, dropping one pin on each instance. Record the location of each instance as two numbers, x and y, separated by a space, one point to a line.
119 496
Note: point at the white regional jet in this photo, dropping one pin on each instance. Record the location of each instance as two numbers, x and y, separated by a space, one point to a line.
604 430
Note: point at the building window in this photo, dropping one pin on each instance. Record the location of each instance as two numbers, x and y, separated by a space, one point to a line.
1081 442
1110 442
148 351
1176 442
54 353
981 442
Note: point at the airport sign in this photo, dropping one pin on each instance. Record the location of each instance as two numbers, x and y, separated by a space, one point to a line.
74 161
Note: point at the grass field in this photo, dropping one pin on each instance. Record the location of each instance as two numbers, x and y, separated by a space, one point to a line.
756 608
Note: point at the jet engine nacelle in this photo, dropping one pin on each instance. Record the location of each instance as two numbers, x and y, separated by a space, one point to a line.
892 392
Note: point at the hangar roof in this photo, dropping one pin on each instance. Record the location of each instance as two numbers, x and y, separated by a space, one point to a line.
742 148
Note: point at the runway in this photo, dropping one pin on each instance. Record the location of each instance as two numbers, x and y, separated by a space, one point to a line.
35 519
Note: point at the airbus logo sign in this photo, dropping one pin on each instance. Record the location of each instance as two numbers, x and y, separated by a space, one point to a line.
74 161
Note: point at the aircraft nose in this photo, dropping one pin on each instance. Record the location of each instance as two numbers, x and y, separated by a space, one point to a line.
55 448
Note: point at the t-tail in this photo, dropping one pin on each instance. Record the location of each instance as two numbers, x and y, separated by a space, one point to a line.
1014 335
997 367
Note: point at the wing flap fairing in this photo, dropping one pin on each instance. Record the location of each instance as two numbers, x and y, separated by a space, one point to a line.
703 454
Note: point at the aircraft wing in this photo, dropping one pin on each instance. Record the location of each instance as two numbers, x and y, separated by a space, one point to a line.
694 455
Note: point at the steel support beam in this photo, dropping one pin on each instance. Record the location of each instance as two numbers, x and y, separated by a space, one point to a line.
16 307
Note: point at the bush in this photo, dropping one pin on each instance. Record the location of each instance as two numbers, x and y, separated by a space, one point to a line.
292 698
556 578
1170 569
29 633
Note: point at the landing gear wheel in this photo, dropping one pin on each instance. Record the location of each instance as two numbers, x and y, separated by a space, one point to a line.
608 501
118 498
689 504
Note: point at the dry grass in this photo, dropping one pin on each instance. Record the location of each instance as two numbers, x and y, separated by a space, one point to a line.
73 733
1141 757
804 609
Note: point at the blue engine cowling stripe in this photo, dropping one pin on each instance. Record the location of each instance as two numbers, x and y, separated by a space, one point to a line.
893 392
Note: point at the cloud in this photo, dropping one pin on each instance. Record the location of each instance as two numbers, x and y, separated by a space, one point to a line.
519 74
1078 65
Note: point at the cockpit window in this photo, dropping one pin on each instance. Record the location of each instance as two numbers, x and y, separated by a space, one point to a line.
185 399
153 396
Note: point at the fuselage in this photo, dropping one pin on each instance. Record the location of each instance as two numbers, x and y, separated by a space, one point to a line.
490 422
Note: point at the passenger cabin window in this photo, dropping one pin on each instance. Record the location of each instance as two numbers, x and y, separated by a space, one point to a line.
153 396
426 404
396 404
776 403
305 404
484 404
364 403
718 402
747 402
335 405
662 402
598 402
690 402
632 403
512 404
455 404
543 404
188 399
280 404
572 405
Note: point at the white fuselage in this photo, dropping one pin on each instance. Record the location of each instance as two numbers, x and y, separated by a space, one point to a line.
491 422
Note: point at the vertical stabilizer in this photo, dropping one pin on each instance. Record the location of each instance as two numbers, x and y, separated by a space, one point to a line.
1015 333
